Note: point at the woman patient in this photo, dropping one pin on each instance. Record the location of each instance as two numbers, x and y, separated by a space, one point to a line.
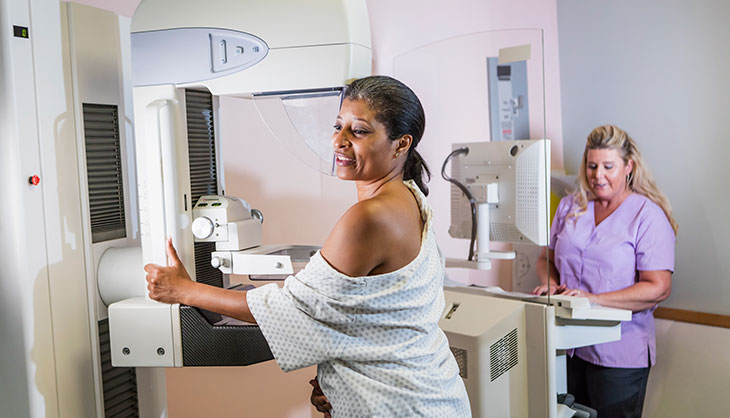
366 307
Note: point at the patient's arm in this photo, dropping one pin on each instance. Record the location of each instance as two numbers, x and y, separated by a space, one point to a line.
173 285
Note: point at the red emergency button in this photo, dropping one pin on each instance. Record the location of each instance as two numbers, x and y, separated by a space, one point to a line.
34 180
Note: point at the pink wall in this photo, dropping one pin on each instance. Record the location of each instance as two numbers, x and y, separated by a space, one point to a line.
400 26
456 105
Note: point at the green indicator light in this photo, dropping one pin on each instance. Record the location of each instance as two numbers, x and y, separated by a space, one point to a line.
20 32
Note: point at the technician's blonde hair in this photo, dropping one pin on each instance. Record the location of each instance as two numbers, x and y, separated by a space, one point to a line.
640 180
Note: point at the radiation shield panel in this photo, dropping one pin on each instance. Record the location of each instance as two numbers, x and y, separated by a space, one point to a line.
302 121
453 79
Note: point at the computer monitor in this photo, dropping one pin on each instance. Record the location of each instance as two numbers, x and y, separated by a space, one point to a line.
508 181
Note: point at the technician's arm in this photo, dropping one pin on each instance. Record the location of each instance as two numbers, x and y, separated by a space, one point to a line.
173 285
652 288
543 264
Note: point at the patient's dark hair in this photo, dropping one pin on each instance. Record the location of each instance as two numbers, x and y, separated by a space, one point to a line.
397 107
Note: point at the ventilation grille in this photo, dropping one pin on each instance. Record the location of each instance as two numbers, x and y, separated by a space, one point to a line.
503 355
201 144
119 383
499 231
528 191
460 356
203 172
104 172
204 272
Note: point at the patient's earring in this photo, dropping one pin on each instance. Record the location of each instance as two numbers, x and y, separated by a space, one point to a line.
629 177
396 154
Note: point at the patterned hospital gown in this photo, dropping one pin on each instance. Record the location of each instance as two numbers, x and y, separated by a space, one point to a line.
375 339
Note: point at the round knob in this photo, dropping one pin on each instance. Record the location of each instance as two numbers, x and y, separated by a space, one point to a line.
202 227
216 262
257 214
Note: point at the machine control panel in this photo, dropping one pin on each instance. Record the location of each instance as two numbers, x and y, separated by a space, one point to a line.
228 221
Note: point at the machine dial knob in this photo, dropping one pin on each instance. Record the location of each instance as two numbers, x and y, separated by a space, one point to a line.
217 262
203 227
257 214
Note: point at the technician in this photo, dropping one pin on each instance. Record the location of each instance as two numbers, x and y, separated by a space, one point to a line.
612 241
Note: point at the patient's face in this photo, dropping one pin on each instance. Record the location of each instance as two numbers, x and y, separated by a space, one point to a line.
362 149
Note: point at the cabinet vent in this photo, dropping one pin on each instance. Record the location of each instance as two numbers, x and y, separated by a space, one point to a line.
119 383
461 360
104 172
203 172
503 355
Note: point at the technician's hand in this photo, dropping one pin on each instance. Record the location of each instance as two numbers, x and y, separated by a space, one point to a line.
543 289
319 400
580 293
168 284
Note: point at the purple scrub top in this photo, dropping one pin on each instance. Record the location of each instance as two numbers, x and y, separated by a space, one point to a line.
636 237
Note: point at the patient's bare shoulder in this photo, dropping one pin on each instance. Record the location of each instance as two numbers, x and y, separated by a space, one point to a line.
353 246
375 236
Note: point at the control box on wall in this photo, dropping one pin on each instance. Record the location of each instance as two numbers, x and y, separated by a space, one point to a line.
508 109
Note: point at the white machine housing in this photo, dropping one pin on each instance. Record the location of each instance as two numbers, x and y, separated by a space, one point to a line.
308 45
227 221
236 231
54 359
511 347
312 46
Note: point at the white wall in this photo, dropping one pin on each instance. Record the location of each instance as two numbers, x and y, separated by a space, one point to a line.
659 69
692 375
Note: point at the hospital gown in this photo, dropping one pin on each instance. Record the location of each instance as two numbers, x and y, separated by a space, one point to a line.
375 339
